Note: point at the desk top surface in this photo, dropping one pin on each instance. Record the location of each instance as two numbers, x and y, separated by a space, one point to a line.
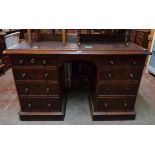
48 47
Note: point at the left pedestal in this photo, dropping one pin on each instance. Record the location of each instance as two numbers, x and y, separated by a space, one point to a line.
38 87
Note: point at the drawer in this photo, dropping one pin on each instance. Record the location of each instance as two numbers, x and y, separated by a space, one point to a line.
117 88
124 60
107 73
109 61
36 74
108 88
132 60
115 104
128 88
33 60
37 88
120 73
40 104
130 73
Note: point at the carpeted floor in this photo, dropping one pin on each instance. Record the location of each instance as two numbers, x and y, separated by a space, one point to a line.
77 110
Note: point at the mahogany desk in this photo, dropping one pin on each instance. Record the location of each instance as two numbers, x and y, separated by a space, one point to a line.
38 74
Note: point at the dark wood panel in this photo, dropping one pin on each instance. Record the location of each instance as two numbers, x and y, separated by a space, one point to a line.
36 73
44 88
34 60
41 104
115 104
120 73
117 88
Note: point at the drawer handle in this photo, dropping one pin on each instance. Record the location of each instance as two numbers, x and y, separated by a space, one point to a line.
131 75
111 62
110 76
26 90
47 90
29 105
46 75
125 105
32 61
24 75
49 105
106 106
21 61
134 62
44 62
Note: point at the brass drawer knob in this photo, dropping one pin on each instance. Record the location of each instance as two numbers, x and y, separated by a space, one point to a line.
47 90
105 104
111 62
26 90
125 105
110 76
29 105
21 61
24 75
46 75
131 75
134 62
32 61
44 62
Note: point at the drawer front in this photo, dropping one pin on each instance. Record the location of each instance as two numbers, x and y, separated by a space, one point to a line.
107 89
33 60
40 104
134 60
128 89
36 74
120 73
37 88
109 61
117 88
108 74
130 73
112 61
115 104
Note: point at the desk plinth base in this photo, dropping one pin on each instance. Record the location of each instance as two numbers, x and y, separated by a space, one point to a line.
110 116
41 116
107 116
